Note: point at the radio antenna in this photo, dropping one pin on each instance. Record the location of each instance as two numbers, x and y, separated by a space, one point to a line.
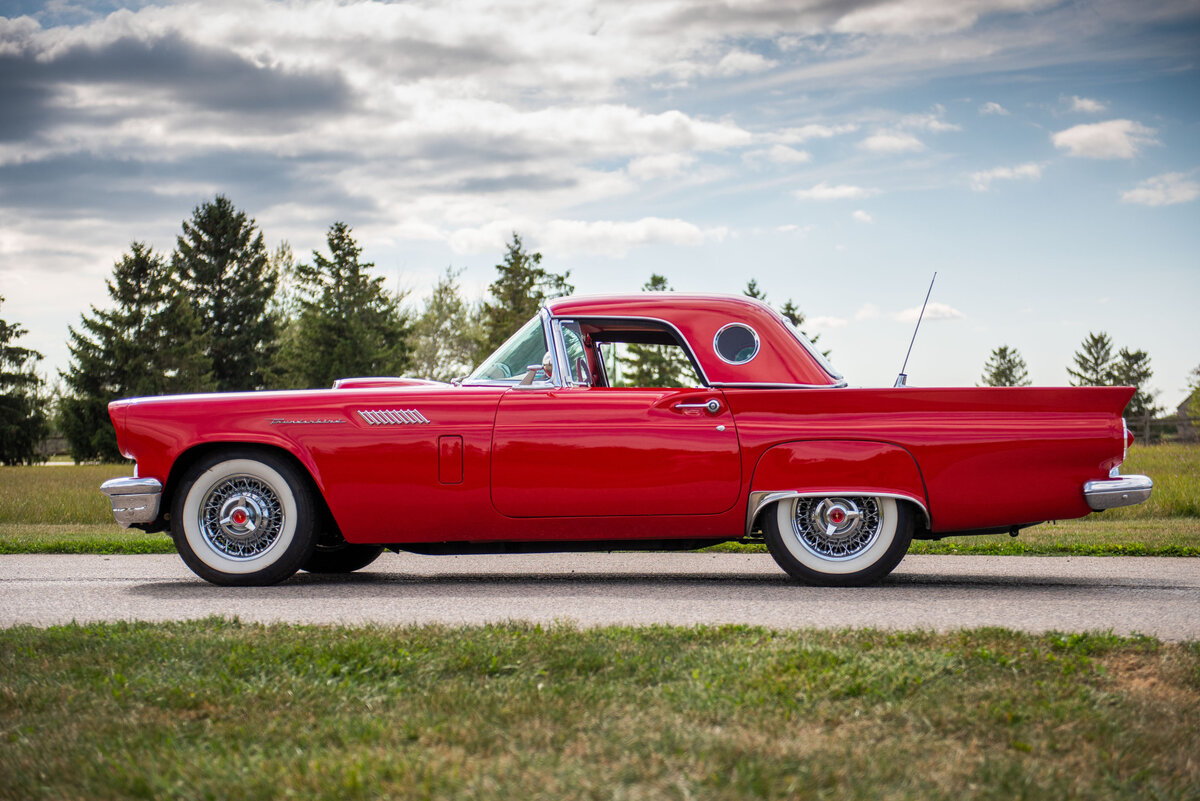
902 379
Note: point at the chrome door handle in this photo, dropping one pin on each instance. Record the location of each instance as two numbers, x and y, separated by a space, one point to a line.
712 407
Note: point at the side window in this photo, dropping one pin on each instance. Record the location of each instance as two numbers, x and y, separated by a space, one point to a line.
577 353
736 343
509 363
647 356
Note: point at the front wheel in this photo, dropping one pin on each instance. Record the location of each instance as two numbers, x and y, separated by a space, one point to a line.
839 541
244 517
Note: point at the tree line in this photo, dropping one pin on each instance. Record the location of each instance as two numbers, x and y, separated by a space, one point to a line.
222 313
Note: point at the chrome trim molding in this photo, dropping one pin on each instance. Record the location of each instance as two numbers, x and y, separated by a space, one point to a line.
134 500
1114 492
723 329
760 500
759 385
392 417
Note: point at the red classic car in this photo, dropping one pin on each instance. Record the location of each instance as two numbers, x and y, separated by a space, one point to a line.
542 449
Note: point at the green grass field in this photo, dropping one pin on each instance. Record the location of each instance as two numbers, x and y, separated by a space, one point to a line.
218 709
59 509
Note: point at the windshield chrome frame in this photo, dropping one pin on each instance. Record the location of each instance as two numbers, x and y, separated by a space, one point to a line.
553 382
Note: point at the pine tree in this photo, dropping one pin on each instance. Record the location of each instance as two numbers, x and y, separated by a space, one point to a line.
656 365
349 324
22 402
445 333
1093 362
789 310
150 343
222 263
1132 369
1005 368
517 294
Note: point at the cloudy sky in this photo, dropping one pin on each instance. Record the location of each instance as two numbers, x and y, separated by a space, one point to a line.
1042 156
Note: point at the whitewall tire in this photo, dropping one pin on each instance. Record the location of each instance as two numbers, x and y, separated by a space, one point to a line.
847 540
244 517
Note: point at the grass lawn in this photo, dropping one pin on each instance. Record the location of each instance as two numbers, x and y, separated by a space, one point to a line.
218 709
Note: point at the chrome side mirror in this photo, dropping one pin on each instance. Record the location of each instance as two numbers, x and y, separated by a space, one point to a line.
548 365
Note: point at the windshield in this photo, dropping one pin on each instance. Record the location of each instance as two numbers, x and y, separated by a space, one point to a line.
510 362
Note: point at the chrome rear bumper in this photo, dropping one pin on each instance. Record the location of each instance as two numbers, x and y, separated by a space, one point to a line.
1118 491
134 500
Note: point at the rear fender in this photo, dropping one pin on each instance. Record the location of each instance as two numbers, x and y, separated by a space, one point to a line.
835 467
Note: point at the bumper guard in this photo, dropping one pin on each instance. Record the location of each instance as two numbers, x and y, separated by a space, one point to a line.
1117 491
134 500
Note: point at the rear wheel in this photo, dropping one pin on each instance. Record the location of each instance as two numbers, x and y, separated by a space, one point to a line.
839 541
344 558
244 517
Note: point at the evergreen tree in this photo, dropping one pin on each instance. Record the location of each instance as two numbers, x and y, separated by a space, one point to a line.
1093 362
657 365
517 294
223 265
349 324
1193 404
1005 368
22 403
445 333
150 343
1132 369
789 310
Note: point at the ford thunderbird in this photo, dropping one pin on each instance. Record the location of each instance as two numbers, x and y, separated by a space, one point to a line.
550 445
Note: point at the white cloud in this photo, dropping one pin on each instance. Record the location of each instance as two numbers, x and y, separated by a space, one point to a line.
923 18
1086 104
862 216
794 136
777 154
570 237
798 230
892 142
933 311
1163 190
993 108
982 181
814 323
660 165
740 62
824 191
1114 139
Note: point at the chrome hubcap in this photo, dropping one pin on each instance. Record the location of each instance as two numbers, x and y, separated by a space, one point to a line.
837 528
241 517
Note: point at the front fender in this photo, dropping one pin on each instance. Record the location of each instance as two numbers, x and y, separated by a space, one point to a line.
835 467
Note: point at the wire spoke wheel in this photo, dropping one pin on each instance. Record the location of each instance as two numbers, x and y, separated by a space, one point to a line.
838 540
241 517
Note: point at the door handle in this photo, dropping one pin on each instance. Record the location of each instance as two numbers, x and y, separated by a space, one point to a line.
712 406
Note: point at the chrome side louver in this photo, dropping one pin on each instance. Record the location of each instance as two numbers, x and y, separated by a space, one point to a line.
392 417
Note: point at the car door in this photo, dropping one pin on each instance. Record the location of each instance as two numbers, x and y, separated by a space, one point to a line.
582 451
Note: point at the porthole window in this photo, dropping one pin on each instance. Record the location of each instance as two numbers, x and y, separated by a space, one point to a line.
736 343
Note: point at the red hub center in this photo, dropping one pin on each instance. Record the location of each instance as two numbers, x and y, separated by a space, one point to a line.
239 517
837 517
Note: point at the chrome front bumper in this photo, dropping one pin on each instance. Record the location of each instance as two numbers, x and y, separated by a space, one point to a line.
134 500
1118 491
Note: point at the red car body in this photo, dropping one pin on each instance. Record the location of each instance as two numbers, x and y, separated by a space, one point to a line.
513 462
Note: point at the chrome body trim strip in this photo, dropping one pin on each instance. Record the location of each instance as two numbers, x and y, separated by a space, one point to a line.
1119 491
133 499
760 500
753 385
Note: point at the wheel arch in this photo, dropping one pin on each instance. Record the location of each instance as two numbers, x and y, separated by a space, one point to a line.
825 467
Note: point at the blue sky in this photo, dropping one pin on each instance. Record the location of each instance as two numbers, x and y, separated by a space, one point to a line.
1043 157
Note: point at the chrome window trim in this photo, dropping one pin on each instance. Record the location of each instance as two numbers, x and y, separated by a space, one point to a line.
735 324
684 343
760 500
822 362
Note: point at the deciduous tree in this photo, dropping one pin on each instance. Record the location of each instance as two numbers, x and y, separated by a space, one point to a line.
22 401
223 265
1005 368
446 333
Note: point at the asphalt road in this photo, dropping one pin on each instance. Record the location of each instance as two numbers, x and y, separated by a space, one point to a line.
1151 596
